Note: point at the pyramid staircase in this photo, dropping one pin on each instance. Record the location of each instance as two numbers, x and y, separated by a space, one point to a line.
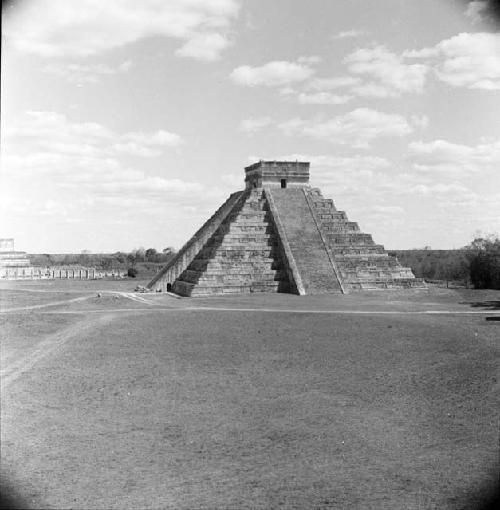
361 263
272 238
242 255
309 249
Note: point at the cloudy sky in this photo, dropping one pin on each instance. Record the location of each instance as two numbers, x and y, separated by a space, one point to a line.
127 124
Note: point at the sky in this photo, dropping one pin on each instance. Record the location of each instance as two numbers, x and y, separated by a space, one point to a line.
126 124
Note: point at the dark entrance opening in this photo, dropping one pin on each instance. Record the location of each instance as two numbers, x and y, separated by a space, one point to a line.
283 183
169 287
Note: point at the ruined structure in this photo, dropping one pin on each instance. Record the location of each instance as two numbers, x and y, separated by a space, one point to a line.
280 235
14 264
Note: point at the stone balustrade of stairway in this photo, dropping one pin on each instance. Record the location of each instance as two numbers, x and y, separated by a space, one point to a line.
305 240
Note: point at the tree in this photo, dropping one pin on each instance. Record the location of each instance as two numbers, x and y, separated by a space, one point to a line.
106 263
484 262
120 257
140 254
131 258
151 255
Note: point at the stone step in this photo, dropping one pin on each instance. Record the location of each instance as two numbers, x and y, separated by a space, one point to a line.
373 257
243 237
249 215
340 226
225 264
323 203
356 250
331 215
405 283
248 228
337 238
243 252
253 207
230 279
368 265
255 194
235 244
190 289
373 275
247 270
246 221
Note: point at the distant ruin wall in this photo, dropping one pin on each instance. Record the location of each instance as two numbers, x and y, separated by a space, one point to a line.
55 272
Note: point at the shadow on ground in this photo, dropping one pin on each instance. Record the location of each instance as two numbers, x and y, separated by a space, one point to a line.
488 305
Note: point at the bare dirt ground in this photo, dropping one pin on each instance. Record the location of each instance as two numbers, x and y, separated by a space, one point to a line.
378 400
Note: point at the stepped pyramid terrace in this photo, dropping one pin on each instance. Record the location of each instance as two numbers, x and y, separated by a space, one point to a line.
280 235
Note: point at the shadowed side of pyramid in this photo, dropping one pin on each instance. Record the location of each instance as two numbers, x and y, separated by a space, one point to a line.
280 235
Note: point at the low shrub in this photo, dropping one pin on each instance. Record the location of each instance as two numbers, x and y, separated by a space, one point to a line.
132 272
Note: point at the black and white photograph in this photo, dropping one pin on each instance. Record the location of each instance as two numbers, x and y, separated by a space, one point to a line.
250 254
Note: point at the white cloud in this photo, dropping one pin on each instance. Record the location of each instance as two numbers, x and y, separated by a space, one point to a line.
57 28
52 135
272 74
469 60
322 98
81 74
343 171
390 75
332 83
82 170
46 145
419 121
252 125
146 145
339 163
349 33
386 210
443 157
357 128
313 59
206 47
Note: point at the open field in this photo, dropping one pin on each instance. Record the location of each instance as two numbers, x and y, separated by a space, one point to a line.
378 400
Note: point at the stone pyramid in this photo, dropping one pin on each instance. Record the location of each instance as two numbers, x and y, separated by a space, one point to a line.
280 235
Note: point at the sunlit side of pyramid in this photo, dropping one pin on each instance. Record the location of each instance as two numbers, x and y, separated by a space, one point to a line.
280 235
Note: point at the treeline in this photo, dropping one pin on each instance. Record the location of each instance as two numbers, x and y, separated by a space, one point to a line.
451 265
118 260
477 264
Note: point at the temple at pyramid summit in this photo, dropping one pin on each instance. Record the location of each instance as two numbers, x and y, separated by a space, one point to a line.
280 235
